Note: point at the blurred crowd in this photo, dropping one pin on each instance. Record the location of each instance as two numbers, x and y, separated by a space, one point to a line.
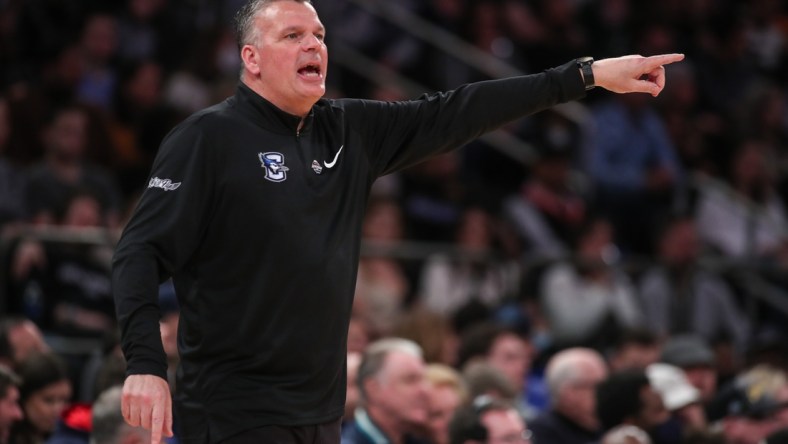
625 285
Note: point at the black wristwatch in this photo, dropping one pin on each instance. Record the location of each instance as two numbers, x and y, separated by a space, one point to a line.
584 63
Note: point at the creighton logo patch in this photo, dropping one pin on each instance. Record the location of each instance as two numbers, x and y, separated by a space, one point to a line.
274 165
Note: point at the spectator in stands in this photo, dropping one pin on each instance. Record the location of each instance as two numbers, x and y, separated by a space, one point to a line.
754 406
98 45
447 392
633 165
19 338
44 394
572 376
432 331
488 420
635 349
65 169
10 412
550 208
504 349
482 378
448 283
432 195
681 399
393 389
589 301
677 296
626 434
109 427
382 285
693 355
67 286
629 398
747 220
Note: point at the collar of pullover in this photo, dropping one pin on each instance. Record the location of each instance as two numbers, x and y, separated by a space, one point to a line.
267 115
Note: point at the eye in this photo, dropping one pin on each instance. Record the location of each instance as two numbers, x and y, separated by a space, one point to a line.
292 36
320 36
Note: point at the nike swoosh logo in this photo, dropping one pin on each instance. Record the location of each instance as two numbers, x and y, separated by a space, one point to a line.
333 162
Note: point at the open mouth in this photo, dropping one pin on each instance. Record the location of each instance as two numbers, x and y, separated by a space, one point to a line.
311 70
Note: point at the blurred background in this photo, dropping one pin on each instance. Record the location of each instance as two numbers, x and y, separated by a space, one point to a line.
616 221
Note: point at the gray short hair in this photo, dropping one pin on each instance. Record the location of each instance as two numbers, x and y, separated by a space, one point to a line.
567 366
375 355
109 427
245 30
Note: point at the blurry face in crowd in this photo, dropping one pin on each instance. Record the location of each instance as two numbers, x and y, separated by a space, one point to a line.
289 60
704 378
99 38
26 339
595 242
10 412
577 400
43 408
504 427
743 430
680 244
653 411
67 136
144 88
443 401
750 167
635 356
383 222
83 211
512 356
475 229
399 392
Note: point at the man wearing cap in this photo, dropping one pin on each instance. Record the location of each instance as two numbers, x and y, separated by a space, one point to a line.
754 406
681 399
693 355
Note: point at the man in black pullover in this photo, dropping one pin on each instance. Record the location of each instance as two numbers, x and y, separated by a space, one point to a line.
254 208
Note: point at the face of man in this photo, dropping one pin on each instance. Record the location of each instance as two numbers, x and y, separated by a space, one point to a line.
504 427
443 401
511 355
635 356
399 392
10 412
577 400
289 60
26 339
704 378
68 134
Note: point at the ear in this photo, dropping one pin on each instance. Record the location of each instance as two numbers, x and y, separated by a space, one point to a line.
251 59
371 387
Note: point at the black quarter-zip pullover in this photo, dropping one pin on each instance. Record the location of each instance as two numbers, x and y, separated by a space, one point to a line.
259 225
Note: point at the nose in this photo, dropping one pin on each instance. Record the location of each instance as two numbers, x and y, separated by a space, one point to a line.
311 42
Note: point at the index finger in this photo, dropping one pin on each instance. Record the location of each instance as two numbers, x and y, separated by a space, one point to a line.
157 421
663 59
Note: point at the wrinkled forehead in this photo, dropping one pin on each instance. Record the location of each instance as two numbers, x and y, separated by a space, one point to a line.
285 14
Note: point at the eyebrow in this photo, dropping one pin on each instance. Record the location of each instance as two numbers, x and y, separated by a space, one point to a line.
299 28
